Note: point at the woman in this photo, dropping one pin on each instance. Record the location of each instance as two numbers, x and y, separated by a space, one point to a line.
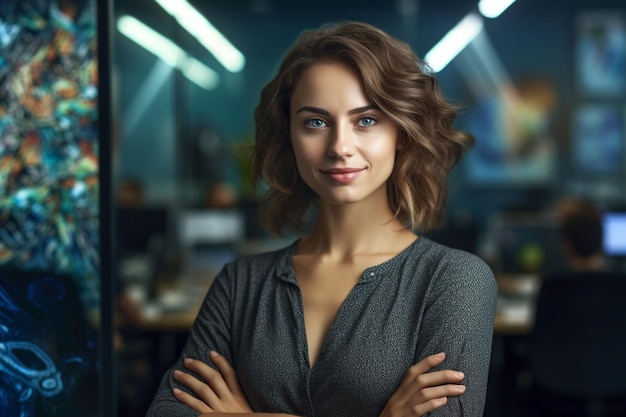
359 317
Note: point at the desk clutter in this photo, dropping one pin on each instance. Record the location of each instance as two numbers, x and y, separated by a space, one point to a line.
517 294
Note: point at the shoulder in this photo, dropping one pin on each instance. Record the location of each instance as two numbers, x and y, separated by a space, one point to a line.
444 259
455 268
247 274
260 264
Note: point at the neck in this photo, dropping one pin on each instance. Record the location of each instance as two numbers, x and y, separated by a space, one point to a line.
346 230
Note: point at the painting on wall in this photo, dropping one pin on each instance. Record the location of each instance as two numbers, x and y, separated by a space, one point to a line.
601 53
598 137
49 208
514 143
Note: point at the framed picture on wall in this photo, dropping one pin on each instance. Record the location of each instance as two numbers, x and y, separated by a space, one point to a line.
600 61
515 144
598 137
52 318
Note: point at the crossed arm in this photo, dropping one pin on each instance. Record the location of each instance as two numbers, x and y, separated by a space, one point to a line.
218 392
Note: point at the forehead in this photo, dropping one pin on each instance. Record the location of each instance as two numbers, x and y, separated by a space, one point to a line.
327 81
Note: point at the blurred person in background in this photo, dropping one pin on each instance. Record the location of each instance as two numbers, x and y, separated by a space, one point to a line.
581 237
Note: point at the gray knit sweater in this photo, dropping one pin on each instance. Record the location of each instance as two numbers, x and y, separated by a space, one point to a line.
425 300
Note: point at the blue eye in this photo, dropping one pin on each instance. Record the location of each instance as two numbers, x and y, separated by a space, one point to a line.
315 123
367 121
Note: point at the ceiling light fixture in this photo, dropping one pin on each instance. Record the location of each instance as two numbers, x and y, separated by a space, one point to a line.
199 27
493 8
168 51
453 42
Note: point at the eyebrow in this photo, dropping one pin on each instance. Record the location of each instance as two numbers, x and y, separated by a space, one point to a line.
319 110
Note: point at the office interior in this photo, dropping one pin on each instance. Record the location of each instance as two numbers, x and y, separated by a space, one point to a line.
542 87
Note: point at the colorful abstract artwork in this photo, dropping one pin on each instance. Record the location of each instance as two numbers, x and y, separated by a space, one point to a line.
514 141
48 138
49 207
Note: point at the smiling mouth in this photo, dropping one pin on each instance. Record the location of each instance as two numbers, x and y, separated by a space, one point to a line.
342 175
341 170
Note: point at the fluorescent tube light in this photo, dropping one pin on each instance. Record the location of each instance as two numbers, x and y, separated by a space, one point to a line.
196 71
493 8
168 51
199 27
453 42
151 40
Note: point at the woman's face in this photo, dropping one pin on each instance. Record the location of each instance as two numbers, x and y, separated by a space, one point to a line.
344 145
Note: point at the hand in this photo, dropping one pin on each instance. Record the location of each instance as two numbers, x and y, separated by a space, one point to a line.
217 391
421 391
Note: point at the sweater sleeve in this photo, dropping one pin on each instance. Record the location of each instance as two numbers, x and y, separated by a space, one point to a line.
211 331
458 320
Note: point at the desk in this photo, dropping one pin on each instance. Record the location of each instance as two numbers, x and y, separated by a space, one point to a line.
169 315
173 321
175 304
516 304
503 325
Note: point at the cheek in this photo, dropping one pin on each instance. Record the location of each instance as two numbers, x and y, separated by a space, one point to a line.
307 152
303 161
384 152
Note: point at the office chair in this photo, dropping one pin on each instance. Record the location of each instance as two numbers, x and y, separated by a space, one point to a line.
578 354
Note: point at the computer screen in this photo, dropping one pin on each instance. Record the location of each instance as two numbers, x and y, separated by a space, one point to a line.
614 227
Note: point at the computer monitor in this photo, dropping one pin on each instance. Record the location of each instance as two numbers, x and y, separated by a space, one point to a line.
614 228
209 239
210 227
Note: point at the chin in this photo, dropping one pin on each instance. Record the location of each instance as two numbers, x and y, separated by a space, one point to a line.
345 199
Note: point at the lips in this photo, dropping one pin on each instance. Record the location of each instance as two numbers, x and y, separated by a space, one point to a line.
342 175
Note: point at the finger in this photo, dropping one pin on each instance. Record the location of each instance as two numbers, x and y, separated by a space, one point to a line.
200 388
192 402
212 377
449 390
431 379
427 407
445 381
427 363
431 398
418 369
227 371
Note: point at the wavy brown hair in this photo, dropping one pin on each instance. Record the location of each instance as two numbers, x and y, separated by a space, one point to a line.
396 81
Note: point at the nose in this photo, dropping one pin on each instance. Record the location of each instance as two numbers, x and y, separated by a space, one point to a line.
341 142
